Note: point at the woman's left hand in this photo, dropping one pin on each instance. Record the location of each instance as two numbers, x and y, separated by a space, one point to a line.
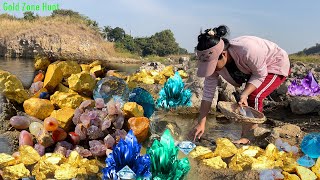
243 100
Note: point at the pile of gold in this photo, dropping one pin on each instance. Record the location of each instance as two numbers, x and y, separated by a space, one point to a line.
154 76
254 158
50 165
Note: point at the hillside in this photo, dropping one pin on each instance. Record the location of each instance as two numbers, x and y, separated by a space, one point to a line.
61 37
310 55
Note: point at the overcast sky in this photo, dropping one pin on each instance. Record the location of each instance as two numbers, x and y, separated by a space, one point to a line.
293 24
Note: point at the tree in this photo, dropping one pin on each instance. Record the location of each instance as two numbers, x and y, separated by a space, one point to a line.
113 35
29 15
66 12
165 43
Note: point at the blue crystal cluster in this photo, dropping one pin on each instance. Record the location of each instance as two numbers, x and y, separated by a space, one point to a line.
310 145
127 153
173 94
144 99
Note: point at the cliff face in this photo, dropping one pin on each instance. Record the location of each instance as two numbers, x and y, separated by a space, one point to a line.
59 37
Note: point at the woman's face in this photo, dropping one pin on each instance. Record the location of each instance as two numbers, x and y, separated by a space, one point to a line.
222 62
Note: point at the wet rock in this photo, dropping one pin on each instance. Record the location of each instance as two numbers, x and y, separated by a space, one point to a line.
39 108
64 117
12 87
287 133
305 105
53 77
69 67
140 127
66 100
132 109
82 83
41 63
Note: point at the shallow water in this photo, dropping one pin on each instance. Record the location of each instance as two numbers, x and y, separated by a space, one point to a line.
22 68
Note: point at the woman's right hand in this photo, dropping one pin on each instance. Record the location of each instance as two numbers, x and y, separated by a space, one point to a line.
198 131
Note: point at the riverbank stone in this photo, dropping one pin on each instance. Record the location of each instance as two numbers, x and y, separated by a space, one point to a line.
82 83
53 77
64 117
66 100
69 67
12 87
39 108
41 63
305 105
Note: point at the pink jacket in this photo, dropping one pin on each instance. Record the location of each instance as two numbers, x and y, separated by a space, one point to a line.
254 56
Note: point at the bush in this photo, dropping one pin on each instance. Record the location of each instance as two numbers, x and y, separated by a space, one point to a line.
29 15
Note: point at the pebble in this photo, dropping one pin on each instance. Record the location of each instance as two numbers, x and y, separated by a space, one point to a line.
20 122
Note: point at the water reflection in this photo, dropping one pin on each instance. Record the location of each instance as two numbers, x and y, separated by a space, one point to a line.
22 68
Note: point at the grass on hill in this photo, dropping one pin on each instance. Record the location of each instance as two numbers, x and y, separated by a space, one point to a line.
305 58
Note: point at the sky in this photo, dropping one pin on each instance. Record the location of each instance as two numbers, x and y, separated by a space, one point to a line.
292 24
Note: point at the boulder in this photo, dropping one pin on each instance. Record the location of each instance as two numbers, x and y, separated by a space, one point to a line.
39 108
64 117
53 77
283 88
305 105
41 63
82 83
69 67
140 127
132 109
66 100
12 87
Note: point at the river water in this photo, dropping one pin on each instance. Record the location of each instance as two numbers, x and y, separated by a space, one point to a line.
179 124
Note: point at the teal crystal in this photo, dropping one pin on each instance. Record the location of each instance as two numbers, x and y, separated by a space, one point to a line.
310 145
173 94
306 161
110 87
144 99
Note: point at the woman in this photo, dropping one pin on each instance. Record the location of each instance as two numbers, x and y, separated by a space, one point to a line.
259 63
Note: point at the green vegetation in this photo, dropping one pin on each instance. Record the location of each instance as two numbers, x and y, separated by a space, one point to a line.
28 15
305 58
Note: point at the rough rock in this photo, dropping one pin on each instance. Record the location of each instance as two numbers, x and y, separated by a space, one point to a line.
226 91
85 67
289 133
96 70
132 109
305 105
283 88
53 77
82 83
39 108
69 67
64 117
140 127
41 63
66 100
12 87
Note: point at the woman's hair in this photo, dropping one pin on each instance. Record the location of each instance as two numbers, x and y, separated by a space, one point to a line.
211 37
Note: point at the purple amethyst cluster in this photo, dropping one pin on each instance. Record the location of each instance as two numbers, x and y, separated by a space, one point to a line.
308 86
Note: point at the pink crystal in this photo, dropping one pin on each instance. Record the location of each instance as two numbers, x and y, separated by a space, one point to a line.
94 132
35 87
85 104
40 149
76 116
113 107
92 115
99 103
83 152
20 122
65 144
85 119
109 141
120 134
68 153
105 124
97 148
81 131
118 122
25 138
61 150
